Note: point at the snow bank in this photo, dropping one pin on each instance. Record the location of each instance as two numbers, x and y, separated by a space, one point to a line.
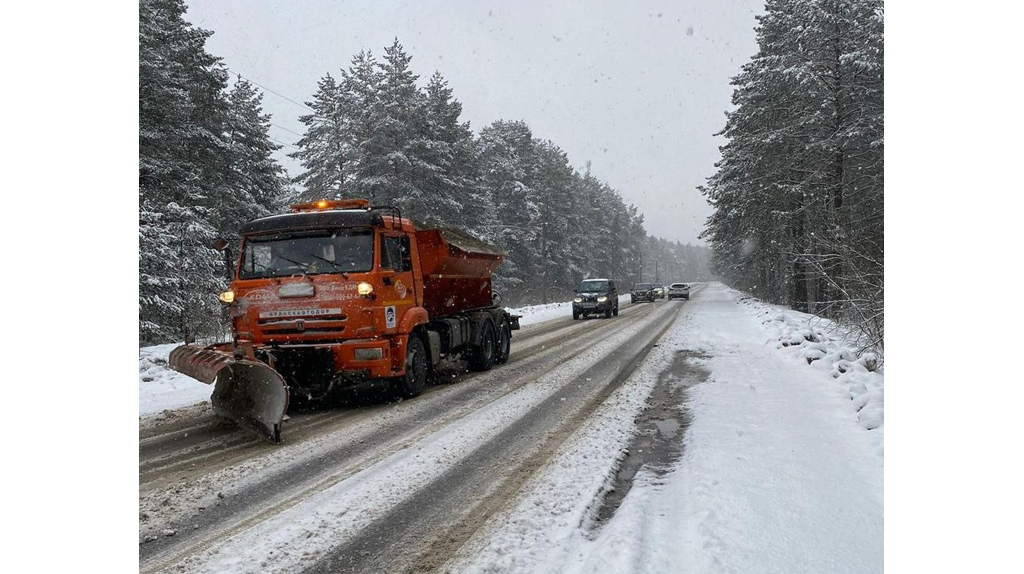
776 476
828 347
160 388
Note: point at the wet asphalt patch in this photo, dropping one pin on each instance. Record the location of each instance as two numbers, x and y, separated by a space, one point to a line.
658 441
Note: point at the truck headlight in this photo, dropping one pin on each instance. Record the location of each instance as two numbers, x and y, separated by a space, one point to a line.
369 354
227 297
364 288
602 299
577 300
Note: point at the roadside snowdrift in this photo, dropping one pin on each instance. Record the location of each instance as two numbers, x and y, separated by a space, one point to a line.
162 389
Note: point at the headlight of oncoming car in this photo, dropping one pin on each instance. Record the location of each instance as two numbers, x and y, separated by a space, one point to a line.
602 299
577 300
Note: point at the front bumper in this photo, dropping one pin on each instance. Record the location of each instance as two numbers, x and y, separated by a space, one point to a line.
344 359
591 307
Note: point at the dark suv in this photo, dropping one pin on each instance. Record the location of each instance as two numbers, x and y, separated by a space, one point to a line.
595 296
642 292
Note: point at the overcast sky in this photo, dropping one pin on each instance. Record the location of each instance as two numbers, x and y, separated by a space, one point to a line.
636 88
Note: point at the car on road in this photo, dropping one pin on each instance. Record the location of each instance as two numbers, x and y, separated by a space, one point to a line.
595 296
642 292
679 291
660 291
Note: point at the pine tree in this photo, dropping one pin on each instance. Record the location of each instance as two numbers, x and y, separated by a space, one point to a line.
205 166
508 172
798 192
326 148
558 249
445 149
256 180
182 156
388 172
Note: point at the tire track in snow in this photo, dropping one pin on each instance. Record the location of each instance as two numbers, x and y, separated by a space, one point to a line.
418 534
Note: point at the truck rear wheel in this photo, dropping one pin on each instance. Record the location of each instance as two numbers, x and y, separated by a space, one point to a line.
504 343
415 377
482 356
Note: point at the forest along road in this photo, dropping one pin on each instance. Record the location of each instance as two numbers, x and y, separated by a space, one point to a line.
369 487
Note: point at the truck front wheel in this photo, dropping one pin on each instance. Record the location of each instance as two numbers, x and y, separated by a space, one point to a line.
482 356
415 377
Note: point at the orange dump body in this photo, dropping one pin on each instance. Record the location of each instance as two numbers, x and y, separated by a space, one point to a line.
456 270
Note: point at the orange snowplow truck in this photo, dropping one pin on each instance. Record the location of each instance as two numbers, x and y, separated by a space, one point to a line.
337 294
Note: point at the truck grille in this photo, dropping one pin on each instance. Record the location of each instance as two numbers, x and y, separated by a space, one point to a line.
300 326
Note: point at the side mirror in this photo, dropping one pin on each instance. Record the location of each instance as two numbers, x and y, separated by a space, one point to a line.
222 245
575 290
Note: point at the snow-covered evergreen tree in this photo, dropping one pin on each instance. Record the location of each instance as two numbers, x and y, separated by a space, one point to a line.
204 166
256 180
446 150
325 149
182 159
799 191
509 166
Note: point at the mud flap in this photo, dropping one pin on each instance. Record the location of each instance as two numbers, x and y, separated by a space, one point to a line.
245 391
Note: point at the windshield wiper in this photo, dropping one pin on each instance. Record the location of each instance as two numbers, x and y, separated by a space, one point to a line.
333 264
302 266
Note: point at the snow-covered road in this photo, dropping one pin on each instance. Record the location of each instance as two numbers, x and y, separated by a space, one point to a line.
523 468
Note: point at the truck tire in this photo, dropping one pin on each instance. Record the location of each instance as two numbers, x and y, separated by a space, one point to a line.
504 348
615 311
482 356
575 315
414 380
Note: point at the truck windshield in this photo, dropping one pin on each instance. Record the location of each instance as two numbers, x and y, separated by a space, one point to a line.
593 286
309 253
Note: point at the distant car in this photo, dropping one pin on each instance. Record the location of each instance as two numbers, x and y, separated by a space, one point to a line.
679 291
595 296
642 292
660 291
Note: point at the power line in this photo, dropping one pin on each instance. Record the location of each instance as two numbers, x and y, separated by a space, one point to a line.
240 76
284 143
285 129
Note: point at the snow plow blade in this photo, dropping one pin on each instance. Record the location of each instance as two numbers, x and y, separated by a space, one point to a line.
246 391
